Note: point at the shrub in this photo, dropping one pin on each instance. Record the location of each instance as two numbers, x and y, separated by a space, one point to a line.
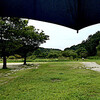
17 56
53 55
71 57
82 52
98 50
69 53
32 57
93 57
12 57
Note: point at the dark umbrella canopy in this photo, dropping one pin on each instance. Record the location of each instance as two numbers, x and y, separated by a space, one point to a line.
75 14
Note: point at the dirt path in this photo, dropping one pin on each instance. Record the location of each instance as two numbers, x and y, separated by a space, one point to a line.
16 65
91 65
11 65
19 66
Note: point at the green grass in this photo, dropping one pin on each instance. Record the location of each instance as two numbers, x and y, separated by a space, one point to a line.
51 81
12 60
98 62
42 60
52 60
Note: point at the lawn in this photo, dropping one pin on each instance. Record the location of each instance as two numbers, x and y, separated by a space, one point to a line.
51 81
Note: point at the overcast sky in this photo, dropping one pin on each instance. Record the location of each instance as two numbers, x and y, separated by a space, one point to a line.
62 37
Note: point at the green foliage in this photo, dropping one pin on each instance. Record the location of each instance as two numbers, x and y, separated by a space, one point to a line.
98 49
82 52
17 56
32 57
54 54
89 45
12 57
47 53
17 37
11 30
31 40
39 53
69 53
93 57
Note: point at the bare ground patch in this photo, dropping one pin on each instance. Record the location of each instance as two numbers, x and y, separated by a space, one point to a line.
91 65
13 68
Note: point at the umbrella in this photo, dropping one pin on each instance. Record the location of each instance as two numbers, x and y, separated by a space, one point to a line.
75 14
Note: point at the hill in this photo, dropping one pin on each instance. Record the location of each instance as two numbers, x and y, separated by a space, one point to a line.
89 45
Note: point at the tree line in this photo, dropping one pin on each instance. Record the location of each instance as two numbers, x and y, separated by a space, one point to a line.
88 47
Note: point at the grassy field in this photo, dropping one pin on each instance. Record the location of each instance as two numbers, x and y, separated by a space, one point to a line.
98 62
51 81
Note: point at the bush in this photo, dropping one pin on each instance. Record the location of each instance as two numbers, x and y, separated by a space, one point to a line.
69 53
62 58
17 56
32 57
93 57
71 57
53 55
98 50
12 57
82 52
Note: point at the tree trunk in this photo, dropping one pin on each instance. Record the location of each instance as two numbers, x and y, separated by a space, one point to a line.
4 62
4 59
25 60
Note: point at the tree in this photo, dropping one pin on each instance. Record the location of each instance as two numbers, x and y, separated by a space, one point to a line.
69 53
98 49
31 40
54 54
82 52
89 45
92 42
10 29
44 52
